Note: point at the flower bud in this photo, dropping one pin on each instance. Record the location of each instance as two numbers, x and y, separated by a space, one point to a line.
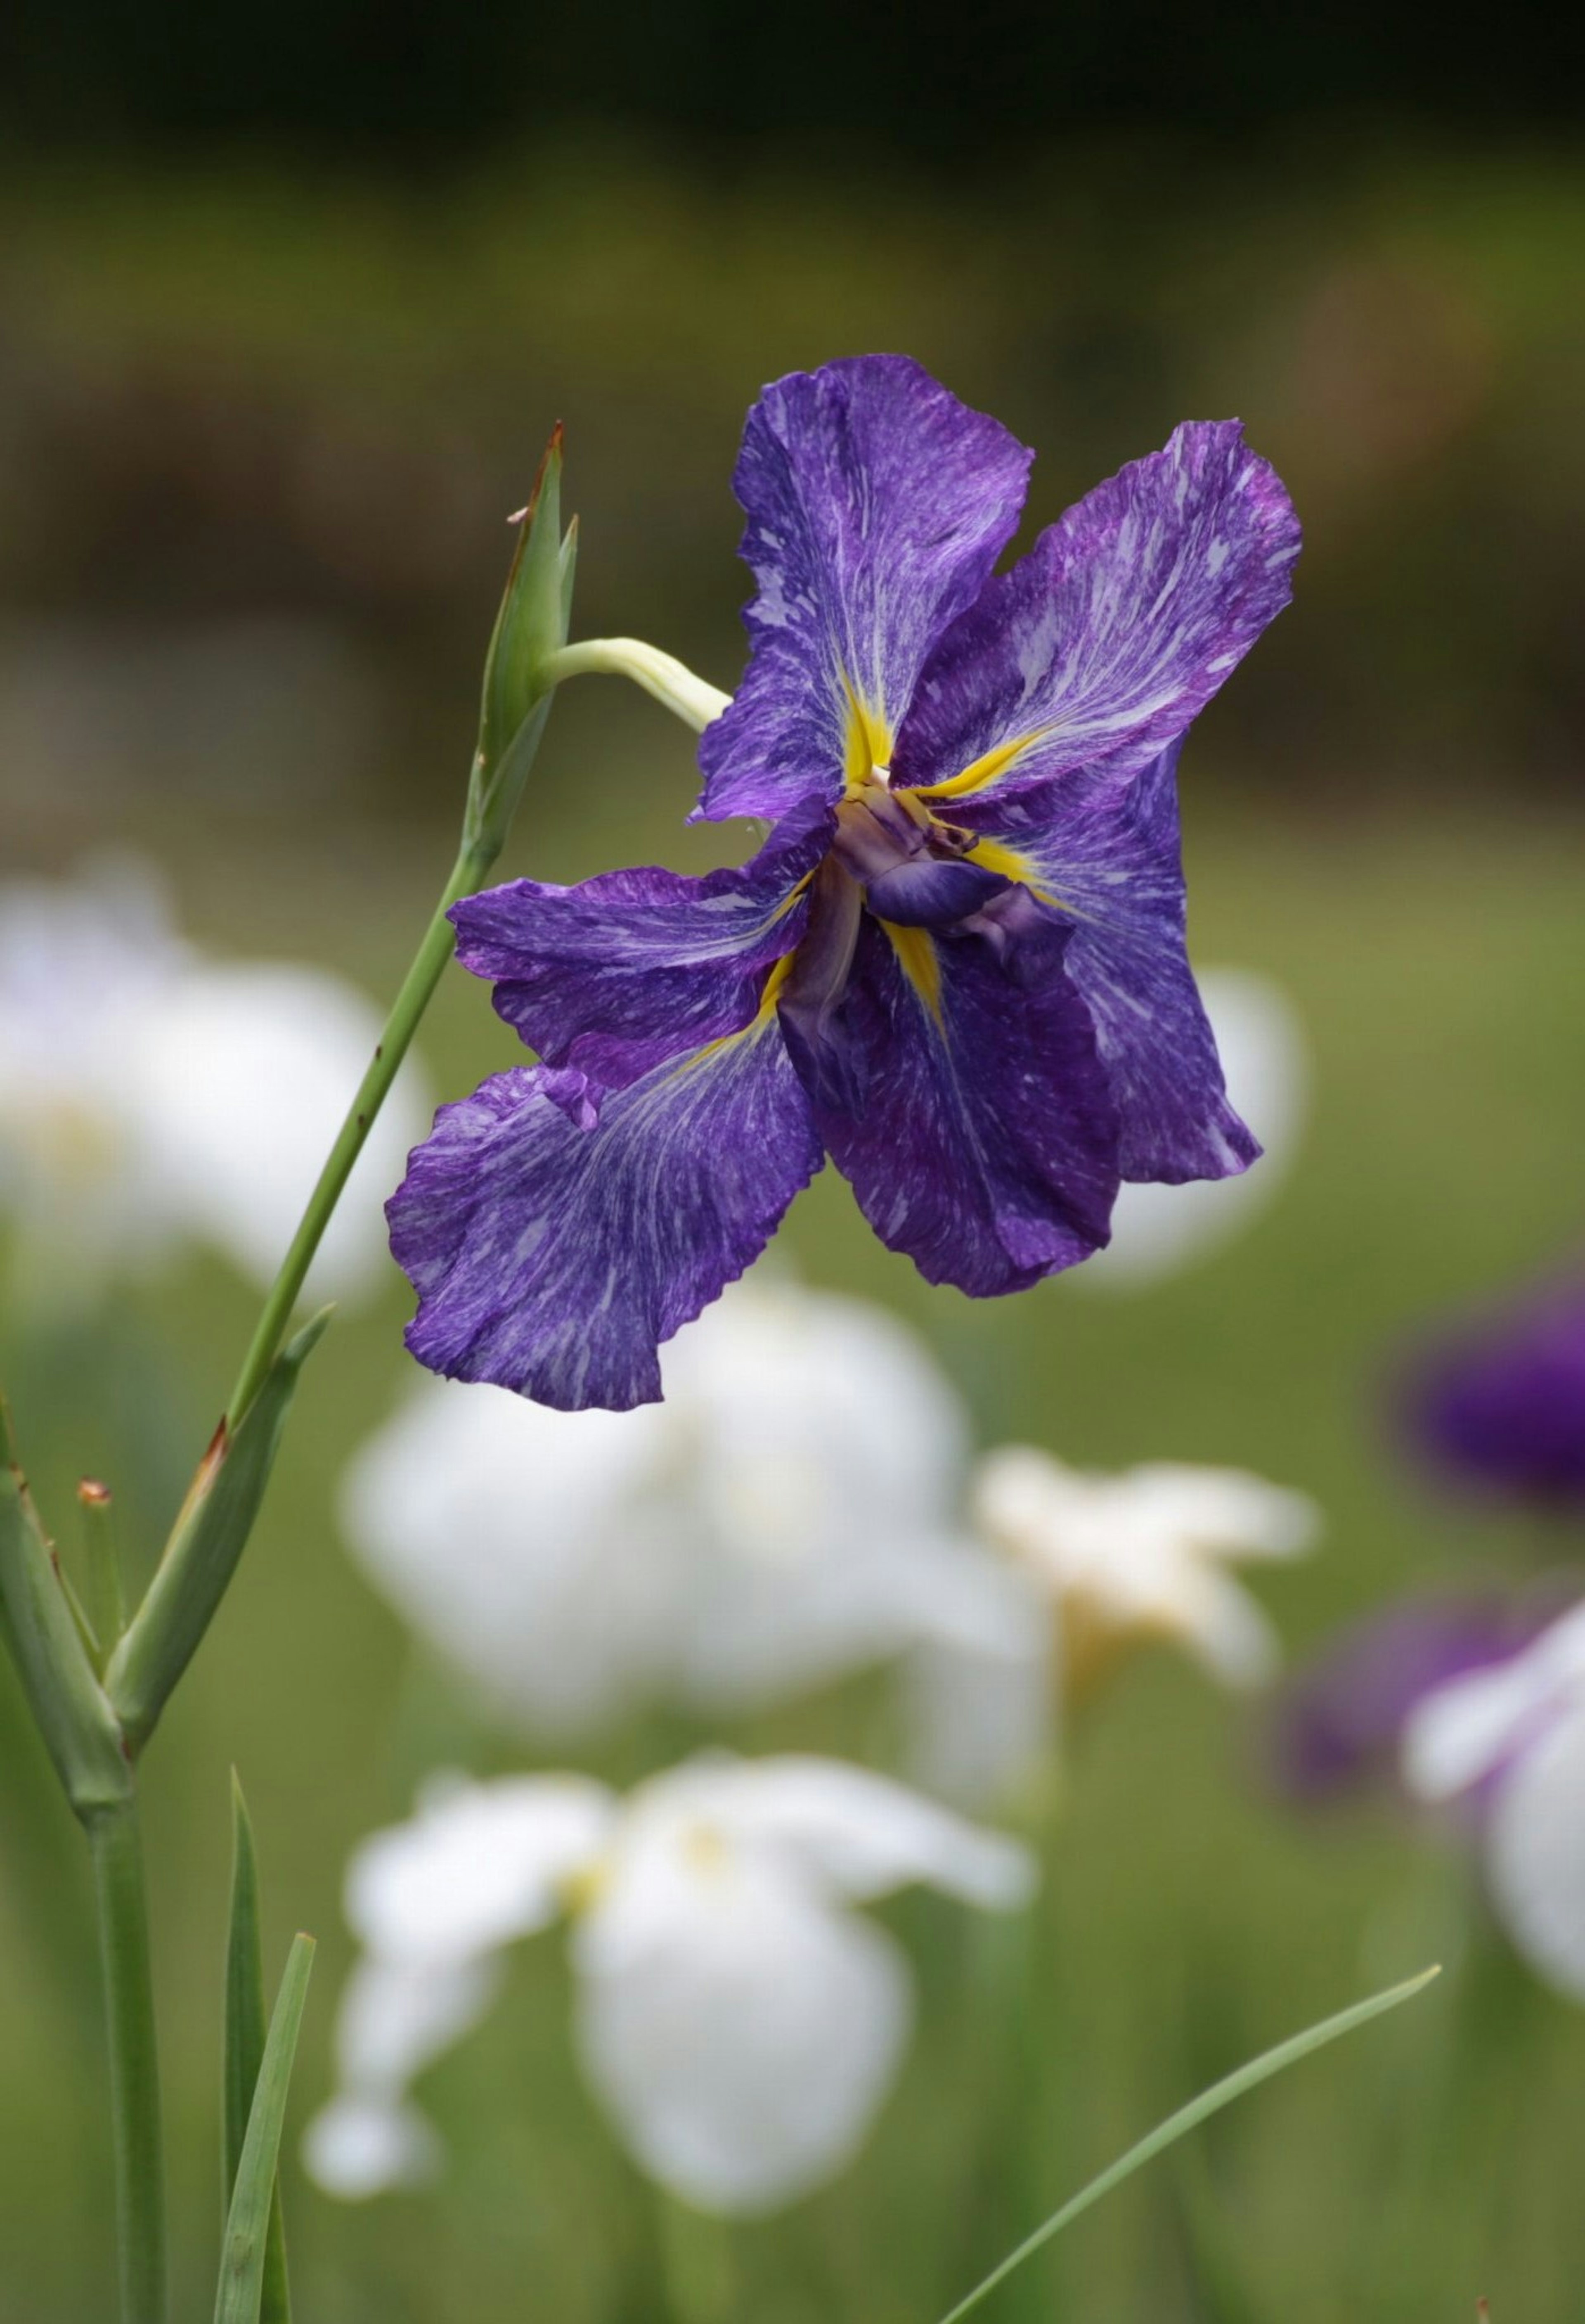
531 627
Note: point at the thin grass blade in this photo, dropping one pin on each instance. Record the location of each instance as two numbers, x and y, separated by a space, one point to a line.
240 2295
1189 2117
245 2045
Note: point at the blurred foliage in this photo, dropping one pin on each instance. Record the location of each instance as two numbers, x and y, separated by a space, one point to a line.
258 433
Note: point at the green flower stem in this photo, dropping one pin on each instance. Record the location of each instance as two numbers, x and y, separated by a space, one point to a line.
116 1847
669 681
418 989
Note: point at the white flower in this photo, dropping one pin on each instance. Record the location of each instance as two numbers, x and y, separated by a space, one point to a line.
1155 1230
1513 1735
789 1514
149 1095
738 2020
1144 1553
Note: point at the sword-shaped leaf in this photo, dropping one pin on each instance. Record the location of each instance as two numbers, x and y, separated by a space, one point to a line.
245 2045
245 2247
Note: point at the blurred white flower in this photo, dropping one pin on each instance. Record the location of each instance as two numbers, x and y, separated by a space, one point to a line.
738 2020
1155 1230
789 1514
1144 1554
1510 1741
149 1095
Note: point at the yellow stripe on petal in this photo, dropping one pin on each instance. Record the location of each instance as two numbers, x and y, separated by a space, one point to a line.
780 970
985 771
919 962
869 742
1012 864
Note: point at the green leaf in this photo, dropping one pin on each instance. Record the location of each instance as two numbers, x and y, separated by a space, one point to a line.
205 1543
1189 2117
245 2044
41 1629
244 2254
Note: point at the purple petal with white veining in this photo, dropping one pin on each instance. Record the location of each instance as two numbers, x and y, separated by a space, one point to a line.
628 969
876 506
1109 855
1102 644
553 1258
984 1139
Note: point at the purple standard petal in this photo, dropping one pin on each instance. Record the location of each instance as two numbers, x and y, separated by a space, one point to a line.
1108 855
1503 1408
1338 1724
552 1257
631 968
978 1129
877 506
1101 645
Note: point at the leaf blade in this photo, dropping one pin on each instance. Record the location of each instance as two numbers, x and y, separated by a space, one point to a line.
239 2295
243 2048
1188 2117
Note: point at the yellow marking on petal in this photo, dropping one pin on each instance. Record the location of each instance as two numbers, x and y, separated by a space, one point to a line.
991 855
919 962
869 742
778 977
985 771
780 970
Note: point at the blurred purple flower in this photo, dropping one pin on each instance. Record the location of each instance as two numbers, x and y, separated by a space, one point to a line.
1502 1405
957 965
1340 1721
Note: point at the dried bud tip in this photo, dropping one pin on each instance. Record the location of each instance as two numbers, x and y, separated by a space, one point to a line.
93 1495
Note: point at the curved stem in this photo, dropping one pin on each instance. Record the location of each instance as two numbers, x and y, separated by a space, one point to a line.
672 682
116 1847
418 989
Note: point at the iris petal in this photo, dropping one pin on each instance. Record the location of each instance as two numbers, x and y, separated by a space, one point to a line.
877 506
1103 643
552 1258
1110 855
631 968
983 1142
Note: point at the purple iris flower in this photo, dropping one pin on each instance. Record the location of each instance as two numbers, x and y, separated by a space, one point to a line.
1503 1405
957 964
1337 1726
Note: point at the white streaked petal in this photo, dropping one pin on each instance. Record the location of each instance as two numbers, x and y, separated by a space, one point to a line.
1231 1635
743 2049
534 1549
863 1835
1157 1230
1535 1853
980 1720
396 2017
1461 1731
1225 1509
355 2148
478 1866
